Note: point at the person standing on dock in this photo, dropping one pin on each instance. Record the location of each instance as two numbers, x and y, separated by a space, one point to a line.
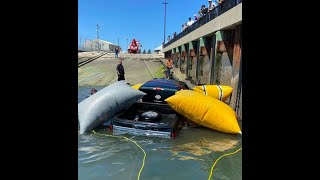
169 65
119 50
120 71
116 52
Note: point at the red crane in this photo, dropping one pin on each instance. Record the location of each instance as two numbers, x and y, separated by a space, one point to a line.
134 46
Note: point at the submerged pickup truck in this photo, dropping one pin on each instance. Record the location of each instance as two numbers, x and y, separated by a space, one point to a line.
151 115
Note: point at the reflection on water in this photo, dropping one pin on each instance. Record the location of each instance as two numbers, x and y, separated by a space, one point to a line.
205 146
189 156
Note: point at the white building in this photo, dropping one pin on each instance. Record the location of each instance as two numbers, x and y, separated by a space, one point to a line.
95 45
158 50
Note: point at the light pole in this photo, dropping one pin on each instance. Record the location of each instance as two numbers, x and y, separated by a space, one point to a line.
98 27
117 35
127 44
165 8
85 43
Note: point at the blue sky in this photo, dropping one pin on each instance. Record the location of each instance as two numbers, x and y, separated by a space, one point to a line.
139 19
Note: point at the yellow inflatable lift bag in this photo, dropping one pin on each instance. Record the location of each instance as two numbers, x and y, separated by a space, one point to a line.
205 110
137 86
217 91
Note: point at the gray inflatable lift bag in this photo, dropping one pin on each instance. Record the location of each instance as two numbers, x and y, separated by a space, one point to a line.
105 104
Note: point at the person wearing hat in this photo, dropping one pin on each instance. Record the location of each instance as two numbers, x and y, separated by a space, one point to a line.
204 10
211 5
195 17
190 22
183 28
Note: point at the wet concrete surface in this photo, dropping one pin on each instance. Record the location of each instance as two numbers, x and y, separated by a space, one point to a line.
139 68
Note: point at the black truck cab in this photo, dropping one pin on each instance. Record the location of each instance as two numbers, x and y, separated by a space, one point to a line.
158 90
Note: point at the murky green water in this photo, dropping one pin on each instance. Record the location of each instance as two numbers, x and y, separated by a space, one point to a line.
188 156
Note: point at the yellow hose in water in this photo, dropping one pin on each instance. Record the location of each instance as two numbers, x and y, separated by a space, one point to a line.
219 159
144 157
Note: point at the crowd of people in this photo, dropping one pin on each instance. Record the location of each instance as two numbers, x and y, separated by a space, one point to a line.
201 13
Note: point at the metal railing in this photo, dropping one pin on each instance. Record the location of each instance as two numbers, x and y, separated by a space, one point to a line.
215 12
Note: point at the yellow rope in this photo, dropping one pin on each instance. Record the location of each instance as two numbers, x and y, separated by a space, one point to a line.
219 159
144 157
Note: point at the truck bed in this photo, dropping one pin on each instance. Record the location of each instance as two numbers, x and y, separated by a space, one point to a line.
167 125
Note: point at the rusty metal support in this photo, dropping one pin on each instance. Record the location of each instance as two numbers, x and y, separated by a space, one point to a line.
213 58
198 62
